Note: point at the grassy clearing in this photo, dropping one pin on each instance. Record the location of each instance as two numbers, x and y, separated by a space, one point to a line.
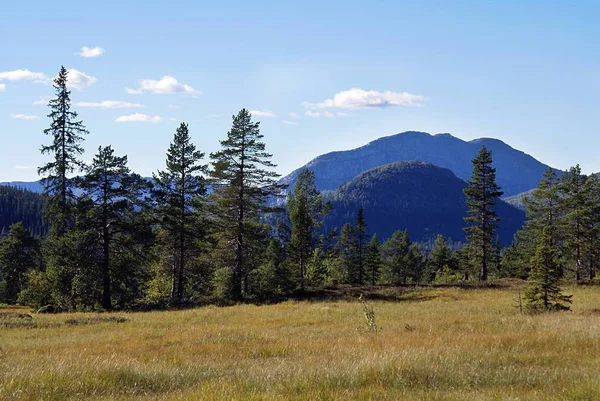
442 344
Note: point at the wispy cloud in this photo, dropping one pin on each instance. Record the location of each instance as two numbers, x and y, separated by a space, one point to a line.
110 104
293 114
24 117
90 52
43 100
357 98
262 113
165 85
139 118
23 75
2 87
327 114
288 122
78 80
22 167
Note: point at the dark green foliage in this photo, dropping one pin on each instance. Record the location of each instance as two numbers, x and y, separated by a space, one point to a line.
19 253
403 261
575 208
482 195
273 278
243 180
21 206
544 293
67 136
373 260
443 262
361 241
348 256
306 209
109 212
178 195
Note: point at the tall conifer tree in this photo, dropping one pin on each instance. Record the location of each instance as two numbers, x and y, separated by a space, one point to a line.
482 194
179 193
243 182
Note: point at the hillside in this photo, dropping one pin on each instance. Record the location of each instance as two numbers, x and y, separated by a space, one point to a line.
420 197
516 171
20 205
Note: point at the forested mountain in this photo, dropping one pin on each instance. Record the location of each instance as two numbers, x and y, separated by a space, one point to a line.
424 199
33 186
517 171
20 205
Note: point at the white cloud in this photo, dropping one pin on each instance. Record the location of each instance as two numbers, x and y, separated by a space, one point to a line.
288 122
328 114
22 167
262 113
78 80
91 52
43 100
2 87
294 115
137 117
21 75
357 98
165 85
110 104
24 117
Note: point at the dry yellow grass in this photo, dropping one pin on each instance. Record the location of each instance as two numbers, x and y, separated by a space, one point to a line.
460 345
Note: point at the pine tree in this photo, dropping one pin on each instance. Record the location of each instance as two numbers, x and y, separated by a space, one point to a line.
179 193
373 259
67 135
60 248
442 258
306 210
544 292
574 203
402 260
243 181
361 240
482 194
110 196
18 255
591 222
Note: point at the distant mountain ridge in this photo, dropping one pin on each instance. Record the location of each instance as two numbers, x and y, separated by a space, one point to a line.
517 171
424 199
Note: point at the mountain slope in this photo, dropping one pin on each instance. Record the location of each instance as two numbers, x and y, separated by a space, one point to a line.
516 171
423 198
20 205
33 186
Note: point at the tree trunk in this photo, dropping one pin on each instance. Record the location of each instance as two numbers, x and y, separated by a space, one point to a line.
106 295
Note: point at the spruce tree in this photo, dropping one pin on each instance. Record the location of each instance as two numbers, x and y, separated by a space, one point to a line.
243 181
544 293
591 222
306 210
482 194
402 260
361 240
18 255
60 248
347 253
442 259
178 194
373 259
111 195
67 136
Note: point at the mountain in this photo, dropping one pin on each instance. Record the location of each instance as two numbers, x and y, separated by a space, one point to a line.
33 186
518 199
20 205
516 171
423 198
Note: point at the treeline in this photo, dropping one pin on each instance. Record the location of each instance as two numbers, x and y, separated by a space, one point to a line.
198 231
20 206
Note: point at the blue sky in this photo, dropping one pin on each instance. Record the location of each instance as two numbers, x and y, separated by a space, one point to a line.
325 75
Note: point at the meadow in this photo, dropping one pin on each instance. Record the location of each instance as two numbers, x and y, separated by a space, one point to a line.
435 344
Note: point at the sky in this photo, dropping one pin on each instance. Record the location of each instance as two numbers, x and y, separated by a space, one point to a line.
320 76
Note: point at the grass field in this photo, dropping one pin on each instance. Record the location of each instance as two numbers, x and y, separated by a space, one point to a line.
436 344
